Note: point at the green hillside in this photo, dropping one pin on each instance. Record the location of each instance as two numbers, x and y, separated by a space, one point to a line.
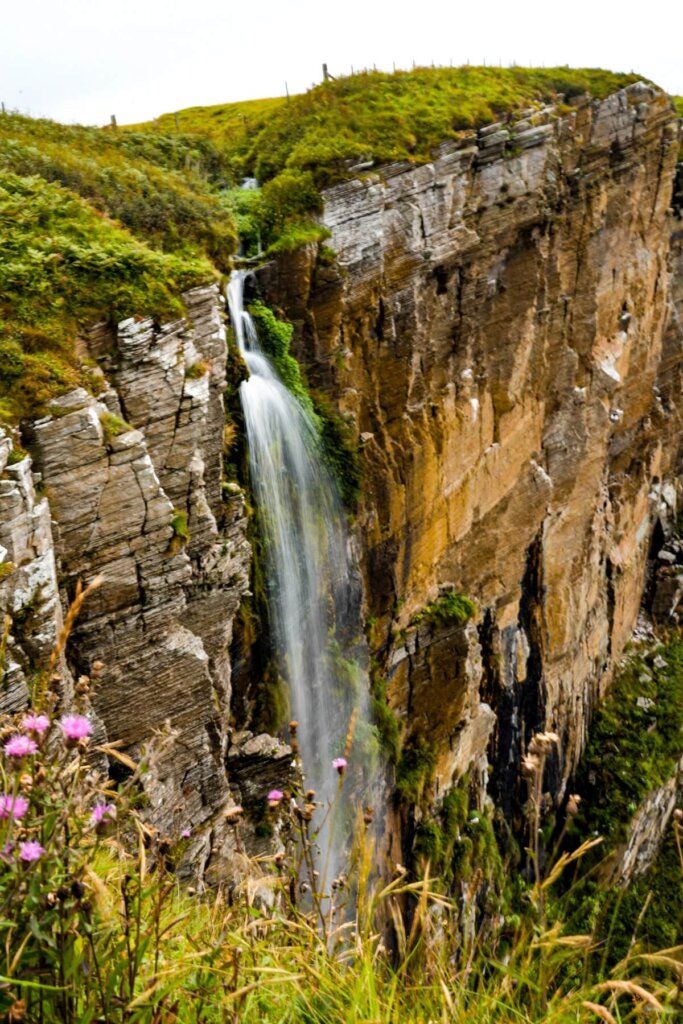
380 116
95 225
101 224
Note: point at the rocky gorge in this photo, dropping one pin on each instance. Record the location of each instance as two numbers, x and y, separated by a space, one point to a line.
500 329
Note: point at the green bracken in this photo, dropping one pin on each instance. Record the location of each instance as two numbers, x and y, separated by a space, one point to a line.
159 189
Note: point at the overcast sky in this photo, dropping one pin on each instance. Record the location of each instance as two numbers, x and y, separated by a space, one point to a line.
83 60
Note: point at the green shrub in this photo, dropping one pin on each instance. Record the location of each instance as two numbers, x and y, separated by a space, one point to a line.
156 188
113 425
181 531
451 609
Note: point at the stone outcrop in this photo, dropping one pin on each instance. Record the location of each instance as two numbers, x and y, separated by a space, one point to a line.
133 479
646 830
495 331
29 590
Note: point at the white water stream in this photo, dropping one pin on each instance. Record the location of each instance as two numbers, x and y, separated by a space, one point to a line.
306 551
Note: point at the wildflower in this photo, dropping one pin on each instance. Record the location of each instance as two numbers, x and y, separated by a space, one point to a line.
340 764
102 812
76 727
233 814
20 746
13 807
186 833
274 797
30 851
36 723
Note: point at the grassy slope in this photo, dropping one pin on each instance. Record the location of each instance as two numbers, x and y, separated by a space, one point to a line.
164 188
95 225
382 116
632 751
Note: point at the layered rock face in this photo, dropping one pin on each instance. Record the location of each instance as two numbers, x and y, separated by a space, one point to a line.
133 480
495 331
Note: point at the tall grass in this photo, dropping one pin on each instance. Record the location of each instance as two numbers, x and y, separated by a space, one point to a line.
96 927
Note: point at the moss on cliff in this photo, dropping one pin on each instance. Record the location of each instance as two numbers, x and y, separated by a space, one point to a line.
335 435
636 740
451 609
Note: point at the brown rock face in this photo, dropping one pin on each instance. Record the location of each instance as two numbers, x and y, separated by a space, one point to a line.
495 332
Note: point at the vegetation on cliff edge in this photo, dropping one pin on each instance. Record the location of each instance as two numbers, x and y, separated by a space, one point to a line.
380 117
96 226
65 266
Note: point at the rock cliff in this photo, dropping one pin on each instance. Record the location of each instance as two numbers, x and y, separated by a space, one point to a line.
498 329
133 480
502 330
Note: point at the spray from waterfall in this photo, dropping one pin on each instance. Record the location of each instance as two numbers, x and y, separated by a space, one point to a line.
309 573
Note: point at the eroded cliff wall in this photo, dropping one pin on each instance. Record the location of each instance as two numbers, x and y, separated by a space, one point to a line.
494 330
132 482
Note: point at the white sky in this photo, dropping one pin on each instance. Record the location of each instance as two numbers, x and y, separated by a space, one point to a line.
82 60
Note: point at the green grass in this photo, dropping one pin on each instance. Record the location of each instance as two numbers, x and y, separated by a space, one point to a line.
382 117
96 226
632 751
66 266
450 609
222 121
678 104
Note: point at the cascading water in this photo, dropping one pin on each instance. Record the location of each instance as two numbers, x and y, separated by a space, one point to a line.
306 550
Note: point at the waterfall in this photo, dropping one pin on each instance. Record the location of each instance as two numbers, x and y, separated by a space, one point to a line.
309 577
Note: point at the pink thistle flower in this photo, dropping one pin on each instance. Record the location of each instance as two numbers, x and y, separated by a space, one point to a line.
186 833
37 723
76 727
340 764
30 851
101 813
6 852
13 807
274 797
20 746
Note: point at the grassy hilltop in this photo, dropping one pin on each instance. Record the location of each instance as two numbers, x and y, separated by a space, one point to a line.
104 224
